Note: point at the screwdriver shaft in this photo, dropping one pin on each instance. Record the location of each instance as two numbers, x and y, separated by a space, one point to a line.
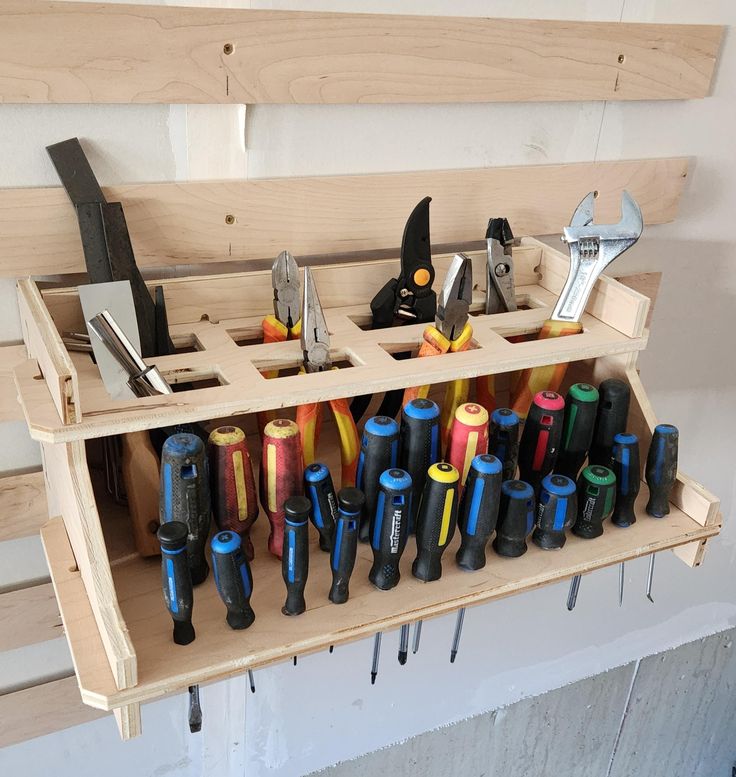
403 643
650 576
252 681
458 633
376 657
621 575
195 710
572 596
417 637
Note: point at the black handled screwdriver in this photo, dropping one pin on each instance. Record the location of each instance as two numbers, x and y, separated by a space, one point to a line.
581 405
596 498
476 520
515 518
351 503
627 469
419 447
556 512
660 474
540 440
611 416
295 557
436 523
379 451
233 578
503 439
185 496
318 486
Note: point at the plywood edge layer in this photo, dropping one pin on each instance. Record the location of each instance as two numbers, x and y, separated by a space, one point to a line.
174 224
209 55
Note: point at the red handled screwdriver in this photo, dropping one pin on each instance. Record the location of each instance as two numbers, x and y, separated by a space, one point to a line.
540 440
468 438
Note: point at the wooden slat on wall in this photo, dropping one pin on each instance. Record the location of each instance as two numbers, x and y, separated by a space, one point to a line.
83 52
28 616
23 507
10 357
189 223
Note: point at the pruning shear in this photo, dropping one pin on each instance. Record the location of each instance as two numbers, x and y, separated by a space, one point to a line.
285 322
315 342
408 299
500 293
450 333
592 248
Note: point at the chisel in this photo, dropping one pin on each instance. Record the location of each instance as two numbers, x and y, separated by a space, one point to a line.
351 503
503 440
419 447
540 440
515 518
233 487
281 475
581 404
379 451
613 411
233 578
660 473
295 555
476 520
319 488
185 496
626 468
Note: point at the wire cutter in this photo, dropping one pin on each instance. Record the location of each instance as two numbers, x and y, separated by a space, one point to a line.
315 342
500 293
408 299
592 249
452 333
285 322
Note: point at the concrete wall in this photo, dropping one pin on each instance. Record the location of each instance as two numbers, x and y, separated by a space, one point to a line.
325 710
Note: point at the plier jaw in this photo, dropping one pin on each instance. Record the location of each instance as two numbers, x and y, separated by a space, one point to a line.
409 298
315 339
500 287
453 304
285 282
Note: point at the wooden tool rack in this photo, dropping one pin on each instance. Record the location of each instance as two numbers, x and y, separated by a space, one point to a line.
110 599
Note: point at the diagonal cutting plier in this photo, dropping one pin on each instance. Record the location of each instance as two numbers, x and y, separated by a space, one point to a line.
408 299
500 293
315 342
285 322
450 333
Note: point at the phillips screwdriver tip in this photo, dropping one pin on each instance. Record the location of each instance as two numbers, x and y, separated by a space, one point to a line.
252 681
402 657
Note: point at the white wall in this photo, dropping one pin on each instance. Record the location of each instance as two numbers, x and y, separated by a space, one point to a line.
325 709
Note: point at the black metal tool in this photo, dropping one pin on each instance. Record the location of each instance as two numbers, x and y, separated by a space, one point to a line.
626 468
408 299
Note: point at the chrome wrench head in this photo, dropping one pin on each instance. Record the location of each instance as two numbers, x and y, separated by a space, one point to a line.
592 248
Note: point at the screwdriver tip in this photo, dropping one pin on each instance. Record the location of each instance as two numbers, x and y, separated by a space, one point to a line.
294 660
373 677
453 656
332 647
402 657
649 596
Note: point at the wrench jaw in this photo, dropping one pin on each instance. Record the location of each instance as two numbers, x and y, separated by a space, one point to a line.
592 248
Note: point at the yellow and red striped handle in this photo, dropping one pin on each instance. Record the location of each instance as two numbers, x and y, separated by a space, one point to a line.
309 421
349 440
274 332
548 378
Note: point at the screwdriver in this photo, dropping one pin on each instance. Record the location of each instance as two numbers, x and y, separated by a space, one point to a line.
185 496
613 410
660 473
540 440
476 520
295 555
233 578
177 587
436 522
556 512
515 518
233 488
468 438
351 503
389 530
319 488
379 451
503 441
581 404
280 475
419 447
596 498
626 468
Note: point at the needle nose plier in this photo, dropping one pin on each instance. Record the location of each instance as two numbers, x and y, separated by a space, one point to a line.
408 299
285 322
451 332
315 342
